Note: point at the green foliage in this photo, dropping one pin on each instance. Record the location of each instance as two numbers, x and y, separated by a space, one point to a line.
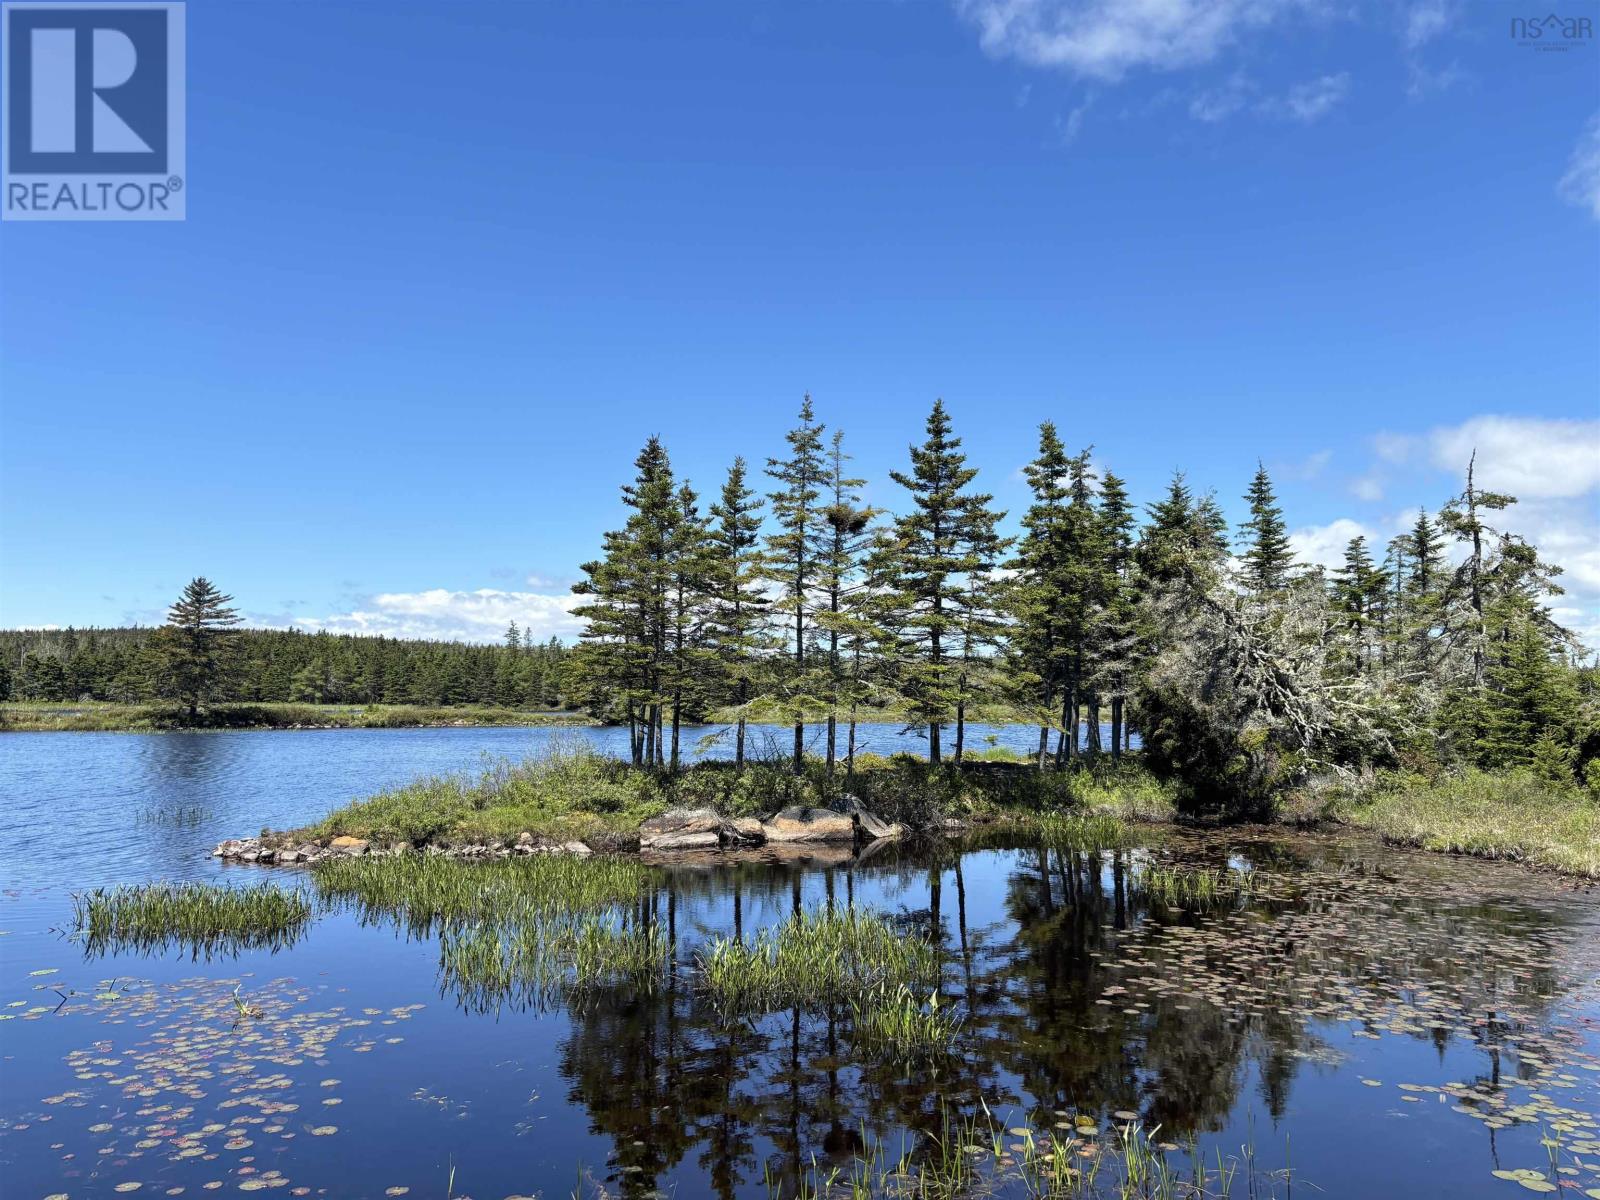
124 666
196 648
569 792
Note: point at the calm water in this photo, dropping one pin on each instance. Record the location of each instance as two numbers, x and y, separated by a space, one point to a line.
1392 1024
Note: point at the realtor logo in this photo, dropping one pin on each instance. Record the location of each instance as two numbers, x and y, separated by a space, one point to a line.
93 112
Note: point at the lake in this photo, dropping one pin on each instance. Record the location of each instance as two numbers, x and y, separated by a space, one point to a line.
1362 1022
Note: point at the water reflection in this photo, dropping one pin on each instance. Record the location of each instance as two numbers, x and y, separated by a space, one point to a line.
1347 991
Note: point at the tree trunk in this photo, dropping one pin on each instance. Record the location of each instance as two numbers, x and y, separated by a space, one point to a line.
799 746
833 733
1116 728
677 710
933 741
850 751
738 747
961 729
1044 745
1094 726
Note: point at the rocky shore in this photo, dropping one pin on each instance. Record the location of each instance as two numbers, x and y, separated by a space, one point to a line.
677 831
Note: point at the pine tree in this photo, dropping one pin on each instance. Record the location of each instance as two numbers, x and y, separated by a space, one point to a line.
1463 519
1357 592
792 559
513 638
197 645
1265 538
936 555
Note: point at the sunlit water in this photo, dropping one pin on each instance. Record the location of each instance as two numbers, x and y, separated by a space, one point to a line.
1383 1023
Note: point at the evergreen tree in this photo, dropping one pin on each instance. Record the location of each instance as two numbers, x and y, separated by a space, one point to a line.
1119 610
1034 597
1265 538
935 556
739 603
840 564
197 644
794 550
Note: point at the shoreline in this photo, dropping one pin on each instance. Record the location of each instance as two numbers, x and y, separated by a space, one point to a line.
105 717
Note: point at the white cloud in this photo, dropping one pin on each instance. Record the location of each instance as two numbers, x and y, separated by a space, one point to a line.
1067 127
1368 486
1104 39
1552 466
478 616
1530 457
1220 103
1581 184
1312 100
1323 545
1425 21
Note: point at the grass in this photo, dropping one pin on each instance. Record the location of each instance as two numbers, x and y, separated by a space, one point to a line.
898 1023
204 918
571 791
1178 887
1085 832
1510 815
103 716
816 958
427 892
536 962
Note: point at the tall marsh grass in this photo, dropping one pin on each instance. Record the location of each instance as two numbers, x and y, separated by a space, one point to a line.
1511 815
206 919
815 958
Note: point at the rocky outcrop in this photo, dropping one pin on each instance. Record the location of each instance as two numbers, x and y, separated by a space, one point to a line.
677 831
803 823
680 829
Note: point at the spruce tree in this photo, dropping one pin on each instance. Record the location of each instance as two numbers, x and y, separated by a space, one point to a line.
1034 597
844 542
792 558
738 600
197 645
1119 613
1265 538
936 553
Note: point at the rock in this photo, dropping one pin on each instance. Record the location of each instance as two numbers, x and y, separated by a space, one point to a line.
681 829
576 848
705 839
288 856
802 823
874 827
743 831
345 844
525 838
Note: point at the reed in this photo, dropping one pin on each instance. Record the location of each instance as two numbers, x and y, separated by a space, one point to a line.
426 892
538 963
204 918
1193 889
898 1023
816 958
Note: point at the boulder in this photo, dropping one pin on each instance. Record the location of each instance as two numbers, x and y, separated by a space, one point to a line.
803 823
743 831
576 848
873 827
682 829
345 844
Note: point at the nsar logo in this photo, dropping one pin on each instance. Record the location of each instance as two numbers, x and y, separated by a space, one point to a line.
93 112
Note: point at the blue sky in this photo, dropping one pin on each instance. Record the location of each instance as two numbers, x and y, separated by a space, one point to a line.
447 265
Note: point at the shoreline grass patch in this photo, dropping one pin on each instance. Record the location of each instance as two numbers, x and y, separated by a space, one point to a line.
90 716
1508 815
205 918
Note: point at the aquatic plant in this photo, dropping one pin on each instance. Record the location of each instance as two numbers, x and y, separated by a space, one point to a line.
201 917
900 1023
816 957
538 962
1084 832
429 891
1178 887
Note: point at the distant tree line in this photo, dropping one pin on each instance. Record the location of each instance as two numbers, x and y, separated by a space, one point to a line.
174 662
1242 670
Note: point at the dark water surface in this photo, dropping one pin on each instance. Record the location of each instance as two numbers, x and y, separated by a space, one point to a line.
1383 1023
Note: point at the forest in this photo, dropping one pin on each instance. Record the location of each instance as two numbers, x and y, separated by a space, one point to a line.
1243 672
266 665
